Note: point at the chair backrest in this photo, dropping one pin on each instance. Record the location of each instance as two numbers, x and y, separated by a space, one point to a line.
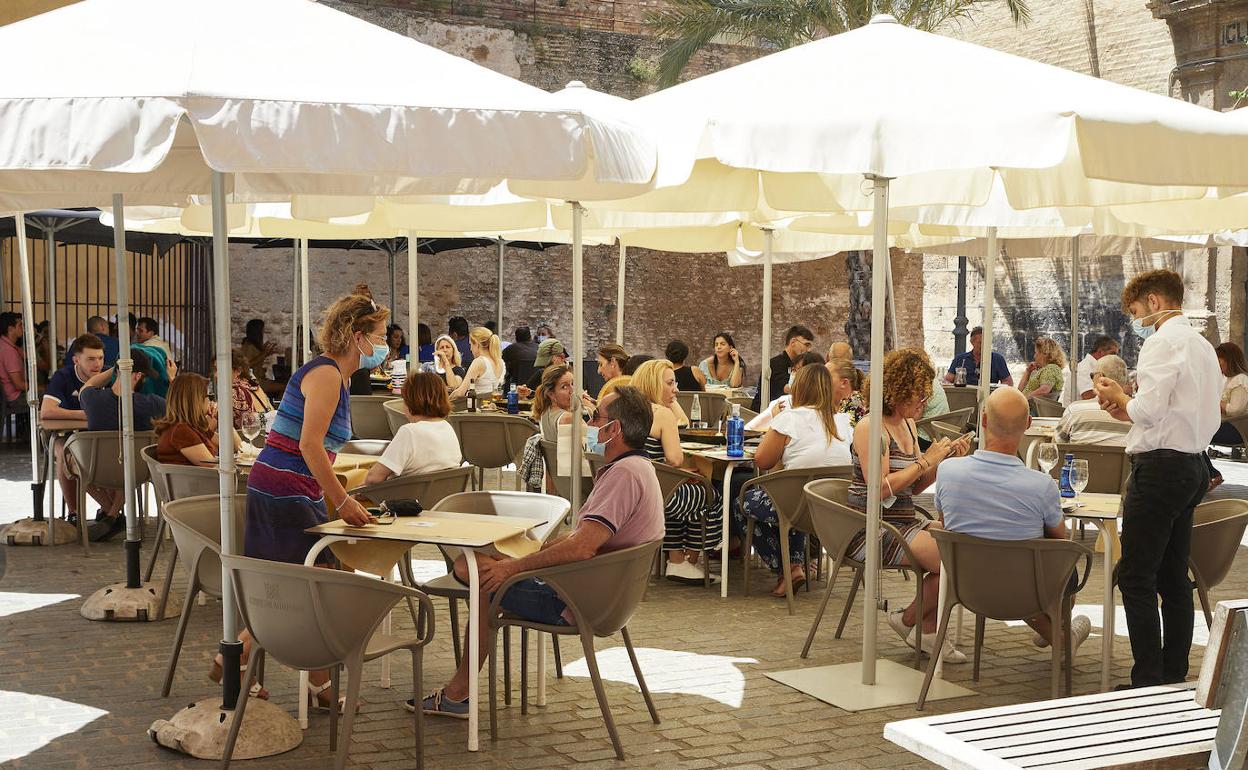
1217 529
1048 407
787 490
491 440
606 589
671 477
310 618
938 429
196 526
373 447
148 453
1007 579
368 419
563 484
429 488
835 523
396 414
1240 424
1108 466
962 398
956 418
520 505
184 481
596 462
518 373
97 453
712 406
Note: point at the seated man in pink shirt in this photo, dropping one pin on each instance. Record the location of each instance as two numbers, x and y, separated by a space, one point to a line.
625 509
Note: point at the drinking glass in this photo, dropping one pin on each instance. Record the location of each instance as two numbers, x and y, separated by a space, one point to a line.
250 426
1047 456
1079 477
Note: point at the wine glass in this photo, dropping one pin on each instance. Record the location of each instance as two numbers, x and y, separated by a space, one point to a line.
1079 476
250 426
1047 456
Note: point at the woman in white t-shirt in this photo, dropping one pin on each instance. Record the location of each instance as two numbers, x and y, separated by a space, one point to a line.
427 442
810 434
1234 401
487 368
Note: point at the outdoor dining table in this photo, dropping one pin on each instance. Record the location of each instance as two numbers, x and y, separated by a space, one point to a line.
1102 511
1041 430
50 431
466 531
710 460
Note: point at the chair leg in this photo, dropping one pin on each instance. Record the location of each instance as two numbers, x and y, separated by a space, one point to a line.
455 630
335 688
82 517
554 638
1069 634
849 602
524 669
941 630
178 636
167 583
786 566
641 681
587 643
746 549
979 645
506 665
355 672
151 559
1059 637
1204 604
918 626
823 605
493 683
706 563
239 708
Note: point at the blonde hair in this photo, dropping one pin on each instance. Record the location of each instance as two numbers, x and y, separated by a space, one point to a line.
614 384
185 404
489 342
845 369
348 315
551 376
1052 353
457 360
812 387
649 379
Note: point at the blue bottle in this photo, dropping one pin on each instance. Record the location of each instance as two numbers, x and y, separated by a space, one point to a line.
736 433
513 400
1064 485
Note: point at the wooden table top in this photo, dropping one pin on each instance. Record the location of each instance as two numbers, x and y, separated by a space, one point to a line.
467 530
62 425
1096 506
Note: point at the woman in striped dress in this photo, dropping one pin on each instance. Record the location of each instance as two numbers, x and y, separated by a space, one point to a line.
293 476
690 504
908 377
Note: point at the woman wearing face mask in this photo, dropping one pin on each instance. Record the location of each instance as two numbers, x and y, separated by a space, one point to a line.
908 378
293 478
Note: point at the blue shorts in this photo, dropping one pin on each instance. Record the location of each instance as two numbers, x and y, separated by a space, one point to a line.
534 600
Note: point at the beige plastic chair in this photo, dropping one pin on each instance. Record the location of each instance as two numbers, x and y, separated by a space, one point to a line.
938 429
713 405
548 509
311 619
1048 407
1108 466
837 525
787 492
956 418
373 447
1009 580
1217 529
396 414
962 398
562 484
97 460
368 419
196 526
602 594
671 477
491 440
148 453
429 488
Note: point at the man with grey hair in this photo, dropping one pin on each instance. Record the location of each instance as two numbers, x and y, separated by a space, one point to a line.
1085 422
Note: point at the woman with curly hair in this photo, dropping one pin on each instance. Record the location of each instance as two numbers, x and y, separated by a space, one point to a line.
908 378
1045 374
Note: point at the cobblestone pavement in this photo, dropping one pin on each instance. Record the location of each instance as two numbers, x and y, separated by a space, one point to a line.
75 693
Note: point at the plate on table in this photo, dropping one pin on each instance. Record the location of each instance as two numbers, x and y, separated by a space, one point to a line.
695 446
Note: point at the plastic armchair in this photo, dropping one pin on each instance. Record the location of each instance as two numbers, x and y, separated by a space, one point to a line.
1048 406
601 593
562 484
786 489
429 488
938 429
1009 580
1217 529
837 526
97 460
712 405
396 414
491 440
958 417
311 619
671 477
1108 466
373 447
1240 424
368 418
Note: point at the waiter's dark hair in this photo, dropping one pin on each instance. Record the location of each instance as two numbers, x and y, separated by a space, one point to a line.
797 330
1164 283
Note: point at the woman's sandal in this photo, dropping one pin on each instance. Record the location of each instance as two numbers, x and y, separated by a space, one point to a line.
257 689
798 582
314 698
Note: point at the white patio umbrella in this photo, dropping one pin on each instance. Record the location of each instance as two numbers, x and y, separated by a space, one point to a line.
301 112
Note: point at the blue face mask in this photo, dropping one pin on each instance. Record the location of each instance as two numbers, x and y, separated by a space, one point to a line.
376 358
1143 330
592 444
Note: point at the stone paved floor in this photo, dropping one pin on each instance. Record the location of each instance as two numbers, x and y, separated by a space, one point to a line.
74 693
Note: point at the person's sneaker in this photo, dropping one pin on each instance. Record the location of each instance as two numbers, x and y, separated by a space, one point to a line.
1081 627
438 704
949 653
106 529
101 514
684 572
904 631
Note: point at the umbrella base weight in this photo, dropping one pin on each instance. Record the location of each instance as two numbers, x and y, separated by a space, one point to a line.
201 728
34 532
117 602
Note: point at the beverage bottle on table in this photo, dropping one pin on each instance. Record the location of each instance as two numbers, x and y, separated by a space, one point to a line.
959 376
472 395
513 400
695 411
736 433
1066 489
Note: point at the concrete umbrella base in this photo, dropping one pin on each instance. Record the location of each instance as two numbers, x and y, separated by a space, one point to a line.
31 532
117 602
201 728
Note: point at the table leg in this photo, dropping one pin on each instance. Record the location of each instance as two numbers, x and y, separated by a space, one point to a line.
49 486
310 561
473 651
1109 528
541 667
940 603
385 629
723 543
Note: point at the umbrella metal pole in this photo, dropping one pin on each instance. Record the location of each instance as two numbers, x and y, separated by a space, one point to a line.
502 249
125 365
294 310
305 324
394 286
231 649
985 358
413 296
1074 388
578 353
879 273
619 296
892 302
28 326
50 240
764 384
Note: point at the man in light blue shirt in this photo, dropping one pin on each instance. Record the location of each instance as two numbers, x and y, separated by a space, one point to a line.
991 494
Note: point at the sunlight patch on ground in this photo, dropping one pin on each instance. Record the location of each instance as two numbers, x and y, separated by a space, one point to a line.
15 503
428 569
12 602
33 721
1200 632
717 677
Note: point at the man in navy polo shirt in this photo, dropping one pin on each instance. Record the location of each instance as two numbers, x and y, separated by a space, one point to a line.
971 360
60 402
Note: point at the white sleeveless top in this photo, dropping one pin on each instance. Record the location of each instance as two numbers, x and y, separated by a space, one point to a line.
488 381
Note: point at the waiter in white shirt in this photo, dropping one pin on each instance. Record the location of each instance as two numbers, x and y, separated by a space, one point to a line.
1081 388
1173 415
